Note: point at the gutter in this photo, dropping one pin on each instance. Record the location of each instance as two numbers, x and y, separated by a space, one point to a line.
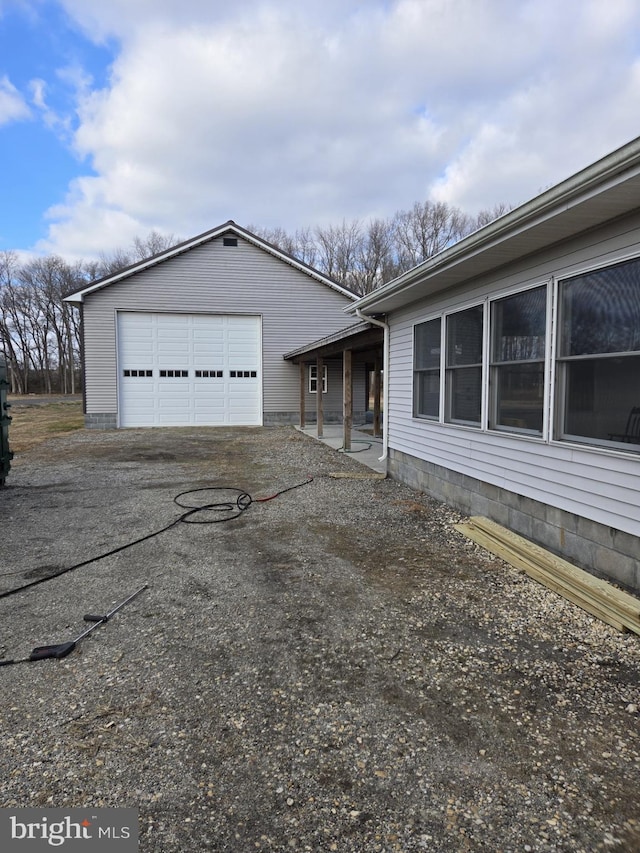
385 373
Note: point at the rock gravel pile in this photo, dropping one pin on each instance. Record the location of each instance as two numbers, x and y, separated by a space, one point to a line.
335 669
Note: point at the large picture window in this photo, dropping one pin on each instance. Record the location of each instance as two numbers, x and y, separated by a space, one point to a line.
463 375
599 356
426 375
518 325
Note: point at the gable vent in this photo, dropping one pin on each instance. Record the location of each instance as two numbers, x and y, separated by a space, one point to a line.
229 241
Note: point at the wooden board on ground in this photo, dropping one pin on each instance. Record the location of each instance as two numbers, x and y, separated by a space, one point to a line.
598 597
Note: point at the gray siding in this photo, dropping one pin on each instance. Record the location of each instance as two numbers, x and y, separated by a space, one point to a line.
212 278
597 484
332 403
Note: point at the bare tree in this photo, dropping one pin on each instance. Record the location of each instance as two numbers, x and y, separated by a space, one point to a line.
8 266
118 259
426 229
47 325
338 247
14 323
304 247
363 256
113 262
375 258
153 244
484 217
301 244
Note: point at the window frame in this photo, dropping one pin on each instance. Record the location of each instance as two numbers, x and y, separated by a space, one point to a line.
418 372
313 378
448 370
493 365
561 362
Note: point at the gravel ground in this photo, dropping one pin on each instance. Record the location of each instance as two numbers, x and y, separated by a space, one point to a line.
335 669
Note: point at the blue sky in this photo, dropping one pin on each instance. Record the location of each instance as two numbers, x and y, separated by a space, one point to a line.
40 51
118 117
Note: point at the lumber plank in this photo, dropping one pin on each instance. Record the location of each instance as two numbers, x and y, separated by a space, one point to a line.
561 568
586 598
588 594
604 614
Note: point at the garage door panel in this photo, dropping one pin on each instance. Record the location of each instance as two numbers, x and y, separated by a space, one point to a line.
208 345
173 346
212 354
169 397
146 402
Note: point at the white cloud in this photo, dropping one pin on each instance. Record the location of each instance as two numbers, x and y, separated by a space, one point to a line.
60 124
13 106
282 113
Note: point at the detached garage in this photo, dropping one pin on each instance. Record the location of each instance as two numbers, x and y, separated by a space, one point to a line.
183 369
196 335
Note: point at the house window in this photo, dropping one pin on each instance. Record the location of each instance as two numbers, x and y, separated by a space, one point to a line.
463 373
313 379
518 340
598 379
426 369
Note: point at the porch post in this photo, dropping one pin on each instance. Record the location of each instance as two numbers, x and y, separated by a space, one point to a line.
347 399
303 377
319 401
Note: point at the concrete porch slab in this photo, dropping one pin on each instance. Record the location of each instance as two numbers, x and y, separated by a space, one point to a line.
365 448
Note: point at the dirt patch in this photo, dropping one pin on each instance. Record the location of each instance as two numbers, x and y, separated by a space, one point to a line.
335 669
34 420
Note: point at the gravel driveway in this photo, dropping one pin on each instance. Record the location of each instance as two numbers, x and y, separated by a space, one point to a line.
334 669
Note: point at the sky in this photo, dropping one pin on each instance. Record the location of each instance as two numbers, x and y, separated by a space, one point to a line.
119 117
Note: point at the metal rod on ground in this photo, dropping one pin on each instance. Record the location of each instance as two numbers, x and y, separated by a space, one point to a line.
61 650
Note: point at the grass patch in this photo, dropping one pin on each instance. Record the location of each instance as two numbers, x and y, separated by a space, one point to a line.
31 425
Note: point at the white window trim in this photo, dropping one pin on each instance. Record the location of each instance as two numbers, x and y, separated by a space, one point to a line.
548 360
556 436
313 378
483 374
430 418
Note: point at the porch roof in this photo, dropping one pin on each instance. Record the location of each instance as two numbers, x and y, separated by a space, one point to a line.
358 338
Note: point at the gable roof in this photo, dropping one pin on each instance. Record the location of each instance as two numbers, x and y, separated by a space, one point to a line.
607 189
228 227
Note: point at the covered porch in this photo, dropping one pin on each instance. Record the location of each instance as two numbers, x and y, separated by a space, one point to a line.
357 352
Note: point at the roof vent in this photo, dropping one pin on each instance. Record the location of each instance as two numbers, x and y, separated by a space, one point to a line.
229 241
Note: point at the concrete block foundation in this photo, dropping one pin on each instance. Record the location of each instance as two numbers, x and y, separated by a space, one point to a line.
101 420
601 550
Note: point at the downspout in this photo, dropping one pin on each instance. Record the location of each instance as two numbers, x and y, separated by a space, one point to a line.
385 373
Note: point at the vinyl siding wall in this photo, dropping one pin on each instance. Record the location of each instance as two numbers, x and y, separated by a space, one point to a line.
332 403
596 484
212 278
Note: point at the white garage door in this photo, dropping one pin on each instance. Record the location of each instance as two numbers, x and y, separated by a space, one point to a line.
182 369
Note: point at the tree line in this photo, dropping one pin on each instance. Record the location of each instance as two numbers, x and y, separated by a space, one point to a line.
364 255
40 333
